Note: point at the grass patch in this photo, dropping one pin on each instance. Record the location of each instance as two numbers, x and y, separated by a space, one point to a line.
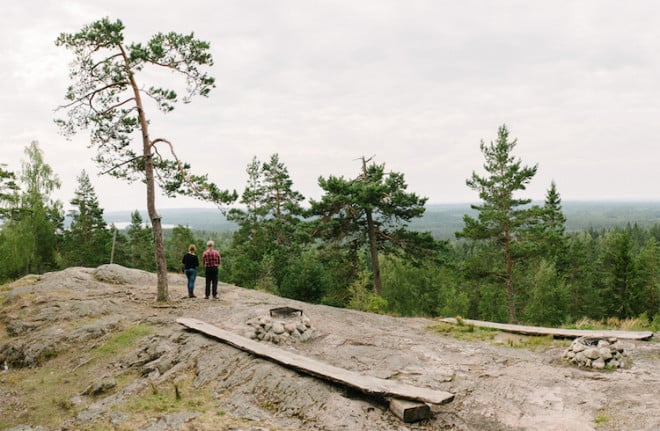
44 394
640 323
123 340
601 419
535 343
28 280
468 332
168 397
159 402
463 331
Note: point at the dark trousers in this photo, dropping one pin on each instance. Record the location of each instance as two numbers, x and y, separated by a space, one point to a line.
211 281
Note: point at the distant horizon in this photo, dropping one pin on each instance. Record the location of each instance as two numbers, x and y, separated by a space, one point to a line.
442 220
604 201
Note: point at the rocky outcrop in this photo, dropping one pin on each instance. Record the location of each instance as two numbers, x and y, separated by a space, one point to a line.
119 360
101 386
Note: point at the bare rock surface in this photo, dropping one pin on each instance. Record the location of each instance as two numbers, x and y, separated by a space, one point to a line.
169 378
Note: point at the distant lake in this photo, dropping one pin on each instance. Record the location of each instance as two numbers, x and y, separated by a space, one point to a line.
121 225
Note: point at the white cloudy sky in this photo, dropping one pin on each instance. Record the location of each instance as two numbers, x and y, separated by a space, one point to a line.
415 83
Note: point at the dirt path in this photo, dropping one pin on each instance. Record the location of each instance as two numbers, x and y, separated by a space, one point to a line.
497 387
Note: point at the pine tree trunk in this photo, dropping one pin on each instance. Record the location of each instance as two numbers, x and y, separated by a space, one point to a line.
509 278
161 262
373 248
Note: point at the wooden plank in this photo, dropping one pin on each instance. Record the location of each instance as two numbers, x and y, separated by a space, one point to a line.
555 332
366 384
410 411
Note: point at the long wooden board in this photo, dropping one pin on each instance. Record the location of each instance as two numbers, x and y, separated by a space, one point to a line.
364 383
556 332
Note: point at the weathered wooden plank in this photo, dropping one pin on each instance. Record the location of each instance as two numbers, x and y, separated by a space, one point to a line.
556 332
366 384
410 411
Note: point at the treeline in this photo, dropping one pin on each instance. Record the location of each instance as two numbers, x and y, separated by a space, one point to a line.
34 239
441 220
512 261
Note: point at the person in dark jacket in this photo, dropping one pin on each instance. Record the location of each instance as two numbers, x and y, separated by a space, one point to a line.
190 264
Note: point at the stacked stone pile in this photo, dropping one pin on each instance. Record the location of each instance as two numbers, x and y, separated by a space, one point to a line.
287 329
596 353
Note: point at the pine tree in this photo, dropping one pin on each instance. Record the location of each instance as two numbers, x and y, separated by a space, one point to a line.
553 223
107 96
248 242
87 241
8 192
503 220
371 212
619 292
267 234
140 243
648 264
281 202
581 275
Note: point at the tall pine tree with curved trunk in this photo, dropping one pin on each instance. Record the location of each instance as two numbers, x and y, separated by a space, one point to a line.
373 211
107 97
503 220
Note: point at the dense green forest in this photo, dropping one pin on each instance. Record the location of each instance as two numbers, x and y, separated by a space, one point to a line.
368 243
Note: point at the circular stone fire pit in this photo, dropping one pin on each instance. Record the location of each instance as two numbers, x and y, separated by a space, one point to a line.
598 353
286 327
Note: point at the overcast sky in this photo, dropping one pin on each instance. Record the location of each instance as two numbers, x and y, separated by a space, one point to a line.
417 84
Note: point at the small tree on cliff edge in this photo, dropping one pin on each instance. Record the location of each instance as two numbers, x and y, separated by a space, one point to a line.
105 96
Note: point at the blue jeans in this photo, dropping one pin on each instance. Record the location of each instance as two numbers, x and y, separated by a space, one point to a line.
191 273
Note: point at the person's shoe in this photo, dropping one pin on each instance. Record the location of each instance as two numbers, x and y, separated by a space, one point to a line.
215 296
206 297
192 296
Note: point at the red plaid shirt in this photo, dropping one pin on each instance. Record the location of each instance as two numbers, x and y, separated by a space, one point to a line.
211 258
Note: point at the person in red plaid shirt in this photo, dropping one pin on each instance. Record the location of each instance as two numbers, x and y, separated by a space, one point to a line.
211 259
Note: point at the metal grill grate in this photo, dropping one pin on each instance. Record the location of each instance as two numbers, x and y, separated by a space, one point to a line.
285 311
